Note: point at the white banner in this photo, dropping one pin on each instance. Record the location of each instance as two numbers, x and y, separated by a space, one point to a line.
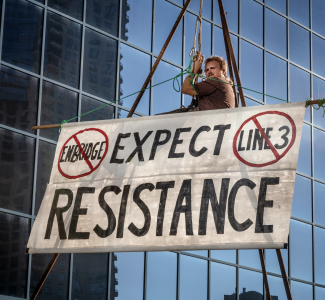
219 179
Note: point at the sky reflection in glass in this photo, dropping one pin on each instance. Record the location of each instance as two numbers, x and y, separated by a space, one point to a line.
301 204
276 79
130 81
252 69
301 251
161 275
166 15
193 278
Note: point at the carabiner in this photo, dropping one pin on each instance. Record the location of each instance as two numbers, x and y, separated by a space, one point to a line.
193 51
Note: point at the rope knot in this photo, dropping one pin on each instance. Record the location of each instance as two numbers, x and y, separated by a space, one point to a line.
64 121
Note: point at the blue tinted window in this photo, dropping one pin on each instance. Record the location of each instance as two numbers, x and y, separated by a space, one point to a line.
225 255
301 205
275 33
251 69
319 167
301 251
89 269
19 98
304 159
272 262
250 282
318 16
166 15
127 276
222 281
193 278
62 50
250 258
22 35
279 5
301 291
276 79
206 37
132 59
231 9
58 104
318 93
73 8
299 45
14 272
318 55
99 71
138 28
103 14
299 87
161 276
276 287
17 170
319 255
319 293
165 98
299 11
219 44
252 21
102 112
46 152
206 9
319 203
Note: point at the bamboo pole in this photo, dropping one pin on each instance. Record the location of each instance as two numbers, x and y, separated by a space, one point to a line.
46 126
231 51
284 274
43 278
266 283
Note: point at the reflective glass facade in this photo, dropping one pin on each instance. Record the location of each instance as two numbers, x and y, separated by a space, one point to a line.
63 58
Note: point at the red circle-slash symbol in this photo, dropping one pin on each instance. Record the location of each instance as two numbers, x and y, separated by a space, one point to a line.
258 125
82 152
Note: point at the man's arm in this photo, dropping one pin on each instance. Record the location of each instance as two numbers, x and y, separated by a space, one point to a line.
187 87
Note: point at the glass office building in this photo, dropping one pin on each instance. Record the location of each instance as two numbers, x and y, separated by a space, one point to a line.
61 58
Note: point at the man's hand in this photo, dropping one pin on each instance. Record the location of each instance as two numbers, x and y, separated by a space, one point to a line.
197 65
197 62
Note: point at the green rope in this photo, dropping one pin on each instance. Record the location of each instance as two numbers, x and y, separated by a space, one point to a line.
188 70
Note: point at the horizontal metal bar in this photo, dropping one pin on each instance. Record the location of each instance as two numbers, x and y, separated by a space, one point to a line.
16 213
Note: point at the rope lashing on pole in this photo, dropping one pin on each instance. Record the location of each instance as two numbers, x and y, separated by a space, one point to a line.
321 104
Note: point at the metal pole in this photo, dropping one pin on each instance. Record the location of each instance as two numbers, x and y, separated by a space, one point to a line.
266 283
162 51
284 274
231 51
43 278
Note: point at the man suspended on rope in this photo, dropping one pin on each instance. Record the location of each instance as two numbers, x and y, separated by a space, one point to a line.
212 94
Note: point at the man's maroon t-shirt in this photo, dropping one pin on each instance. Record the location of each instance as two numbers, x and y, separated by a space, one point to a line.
215 94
